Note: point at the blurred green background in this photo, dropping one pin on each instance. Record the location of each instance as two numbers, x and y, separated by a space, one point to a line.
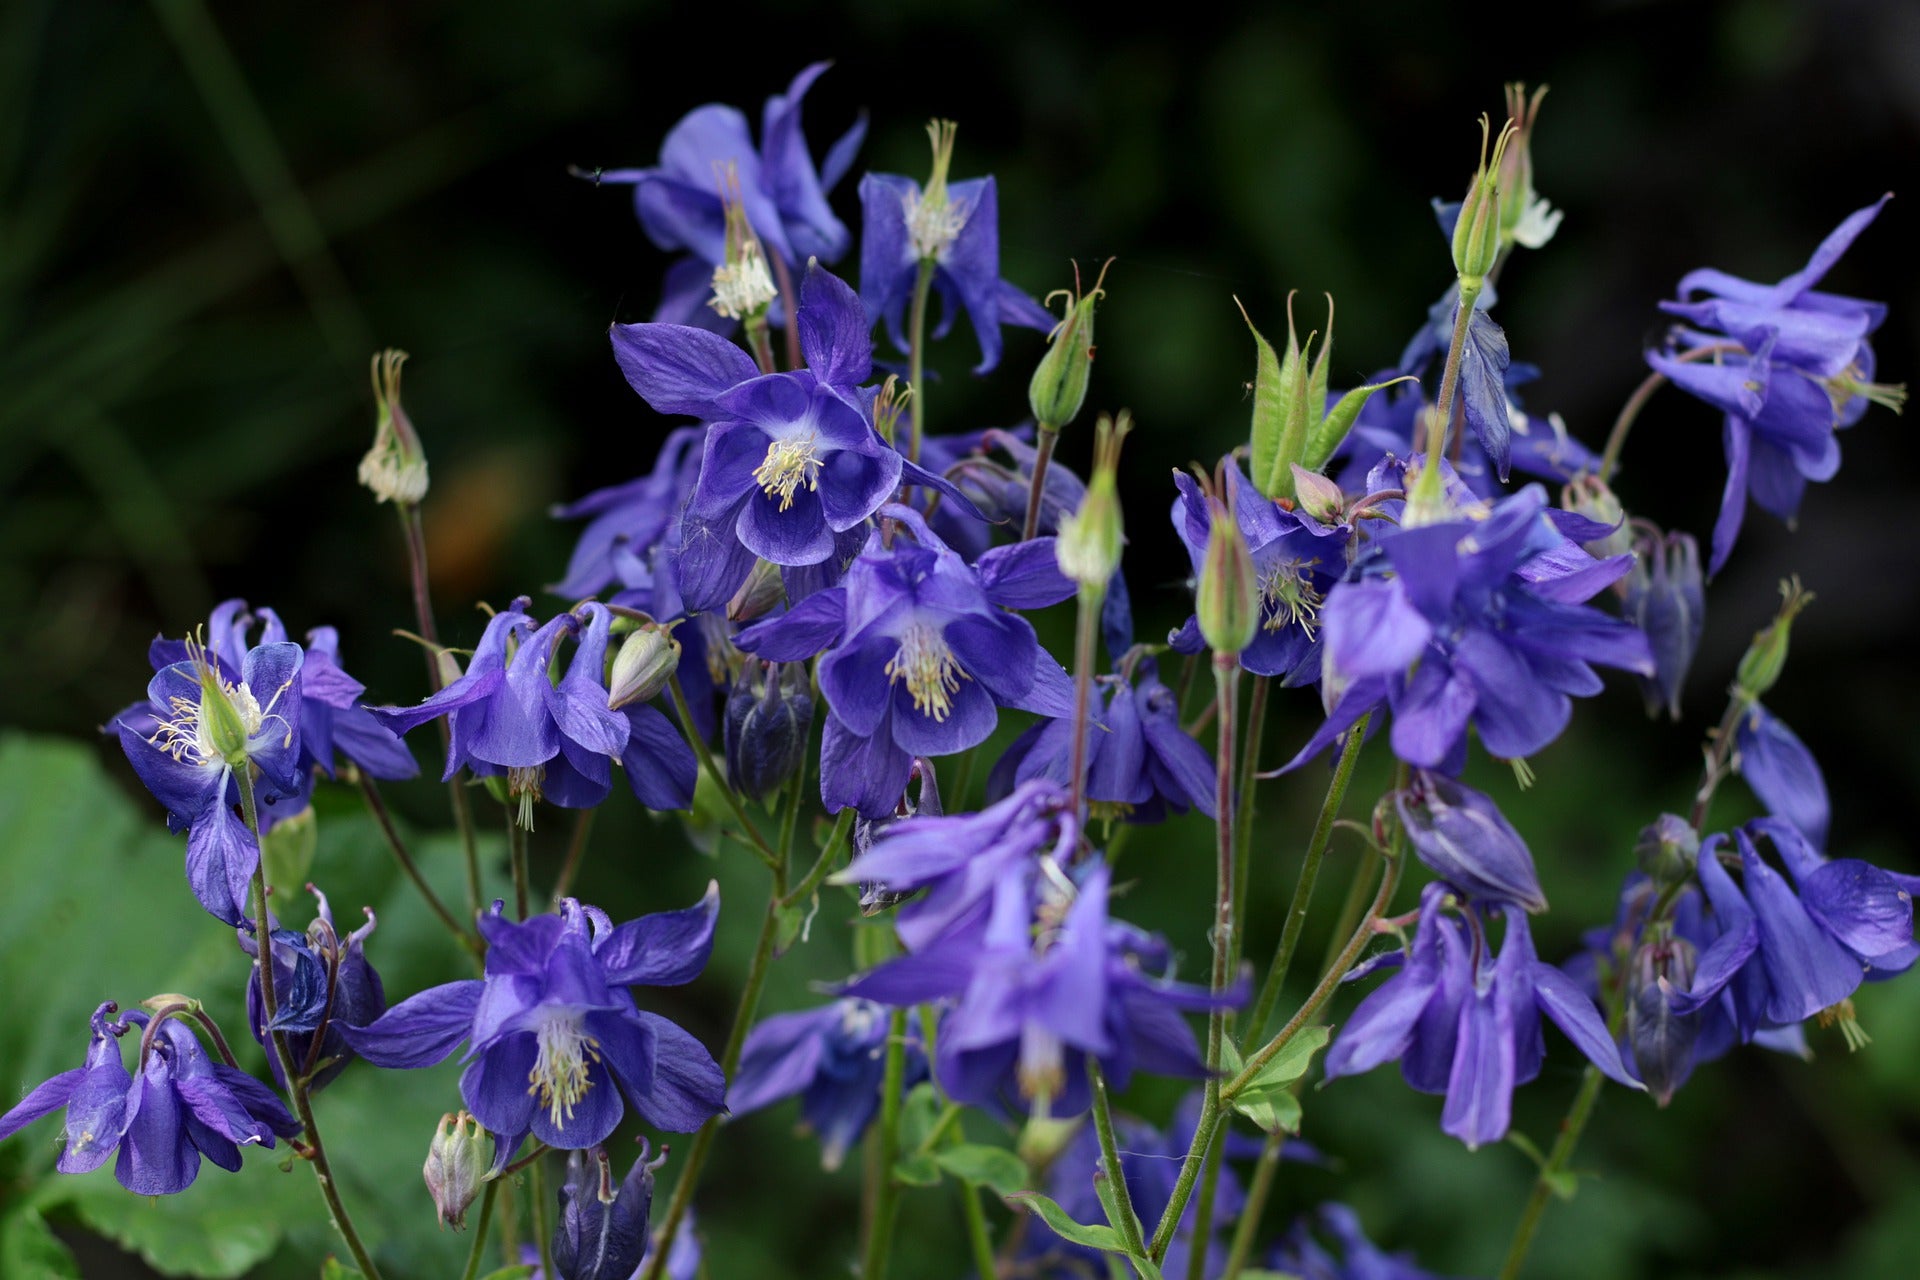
210 218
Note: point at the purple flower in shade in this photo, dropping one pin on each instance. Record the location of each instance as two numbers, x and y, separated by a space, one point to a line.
1783 773
784 196
1666 598
960 235
834 1057
321 982
1140 763
1466 840
1473 621
1299 561
553 740
1799 367
1467 1024
1301 1253
602 1232
554 1037
627 523
180 1107
203 719
1785 957
920 654
1046 982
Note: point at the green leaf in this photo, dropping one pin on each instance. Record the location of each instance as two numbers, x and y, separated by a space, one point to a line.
1106 1239
30 1251
1269 412
1103 1186
1268 1275
981 1165
1268 1099
916 1170
222 1226
334 1269
1326 436
918 1114
519 1271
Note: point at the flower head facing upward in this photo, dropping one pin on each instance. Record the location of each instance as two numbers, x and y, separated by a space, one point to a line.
554 1037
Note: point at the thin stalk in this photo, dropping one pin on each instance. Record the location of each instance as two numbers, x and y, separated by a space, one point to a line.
761 343
1350 908
1717 757
1630 411
790 300
887 1195
1248 1227
979 1239
1086 622
316 1150
1044 440
479 1247
1556 1163
823 865
1129 1224
916 363
1309 877
1203 1212
212 1029
1243 814
576 850
705 755
542 1228
1442 419
384 820
517 853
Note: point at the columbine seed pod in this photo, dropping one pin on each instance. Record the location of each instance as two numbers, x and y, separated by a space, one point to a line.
1766 657
645 664
1059 385
1227 597
456 1167
1476 234
1668 850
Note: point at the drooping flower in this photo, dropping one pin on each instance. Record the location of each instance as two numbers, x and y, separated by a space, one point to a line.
554 1036
956 227
1666 598
921 653
1303 1254
1783 773
834 1058
1787 364
1462 835
204 719
769 713
1465 1023
602 1231
321 982
679 200
181 1106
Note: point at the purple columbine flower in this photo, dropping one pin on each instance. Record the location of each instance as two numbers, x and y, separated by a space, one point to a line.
1666 598
1299 560
205 718
554 1037
1462 835
959 233
551 740
1798 366
1467 1024
834 1058
1047 982
321 982
180 1107
920 655
1473 621
627 523
1302 1254
602 1231
1140 763
1783 773
785 198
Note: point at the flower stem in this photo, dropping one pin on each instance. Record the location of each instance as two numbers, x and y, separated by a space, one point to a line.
1243 812
542 1229
1442 419
1309 877
517 854
1249 1225
916 363
1203 1212
887 1196
1044 440
1083 634
479 1247
1630 411
1718 753
384 820
705 754
978 1237
791 302
1556 1163
823 865
1129 1224
576 850
277 1045
212 1028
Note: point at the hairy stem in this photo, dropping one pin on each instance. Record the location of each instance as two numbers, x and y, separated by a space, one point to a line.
479 1247
1248 1227
1442 419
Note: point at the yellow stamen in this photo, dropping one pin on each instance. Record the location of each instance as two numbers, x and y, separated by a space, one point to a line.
789 464
1289 589
559 1078
932 674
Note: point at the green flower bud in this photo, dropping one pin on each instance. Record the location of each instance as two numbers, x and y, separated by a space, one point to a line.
1089 543
1766 657
1059 385
645 664
1227 597
286 850
229 714
1667 850
762 593
395 468
1476 234
1525 218
456 1167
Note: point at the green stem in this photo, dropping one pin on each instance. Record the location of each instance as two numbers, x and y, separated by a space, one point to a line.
479 1247
1086 621
712 770
1556 1163
1309 877
887 1195
384 820
823 865
1442 419
542 1228
1248 1227
1203 1212
790 301
517 854
1044 441
1129 1224
316 1150
1243 815
576 851
916 366
978 1237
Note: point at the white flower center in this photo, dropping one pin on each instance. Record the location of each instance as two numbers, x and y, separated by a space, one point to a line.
559 1077
928 666
933 225
743 287
187 735
789 464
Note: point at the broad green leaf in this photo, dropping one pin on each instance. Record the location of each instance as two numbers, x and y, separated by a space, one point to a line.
982 1165
919 1112
1325 436
30 1251
222 1226
916 1170
518 1272
1268 1099
1105 1239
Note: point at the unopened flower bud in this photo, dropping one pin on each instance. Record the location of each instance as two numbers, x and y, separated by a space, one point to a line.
1318 496
645 664
155 1003
395 468
762 593
1476 234
287 847
768 714
1766 657
1089 543
456 1167
1590 496
1462 835
1666 597
1667 850
1227 596
1059 385
1662 1039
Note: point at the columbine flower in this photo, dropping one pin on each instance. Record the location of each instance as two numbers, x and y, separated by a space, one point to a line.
552 1027
1473 620
1667 599
602 1232
181 1106
834 1057
956 227
1799 367
321 982
1783 773
200 724
1302 1254
922 653
679 200
627 523
1467 1024
1462 835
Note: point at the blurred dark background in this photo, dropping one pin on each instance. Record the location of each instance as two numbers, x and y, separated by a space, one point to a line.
211 217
